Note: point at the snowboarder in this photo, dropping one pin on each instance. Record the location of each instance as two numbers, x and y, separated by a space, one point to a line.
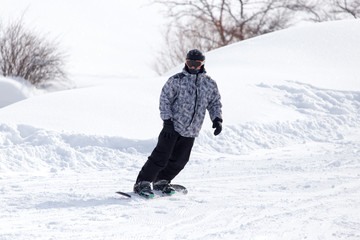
183 103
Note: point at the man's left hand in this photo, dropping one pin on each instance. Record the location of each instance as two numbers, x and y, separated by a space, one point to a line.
217 124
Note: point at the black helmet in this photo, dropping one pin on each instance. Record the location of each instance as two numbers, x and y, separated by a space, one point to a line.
194 61
195 55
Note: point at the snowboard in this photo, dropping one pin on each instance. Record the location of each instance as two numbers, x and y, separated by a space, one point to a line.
179 189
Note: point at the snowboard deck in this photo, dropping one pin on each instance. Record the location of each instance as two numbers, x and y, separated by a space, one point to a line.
179 189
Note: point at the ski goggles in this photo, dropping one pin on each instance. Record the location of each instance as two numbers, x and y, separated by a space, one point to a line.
194 63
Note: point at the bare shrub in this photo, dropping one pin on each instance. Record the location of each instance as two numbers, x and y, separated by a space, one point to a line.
24 54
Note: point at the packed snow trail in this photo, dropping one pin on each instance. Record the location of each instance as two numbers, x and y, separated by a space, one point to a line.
272 194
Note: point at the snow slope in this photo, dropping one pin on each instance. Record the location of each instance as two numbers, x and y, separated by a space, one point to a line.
313 54
286 165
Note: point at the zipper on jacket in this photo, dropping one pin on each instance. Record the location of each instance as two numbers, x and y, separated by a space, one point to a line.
196 96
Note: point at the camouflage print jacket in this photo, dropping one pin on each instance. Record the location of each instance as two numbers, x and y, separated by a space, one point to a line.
185 98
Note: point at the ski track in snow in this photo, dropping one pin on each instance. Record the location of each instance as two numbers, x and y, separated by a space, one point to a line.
277 180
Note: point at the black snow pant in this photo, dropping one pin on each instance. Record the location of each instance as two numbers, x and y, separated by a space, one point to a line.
167 159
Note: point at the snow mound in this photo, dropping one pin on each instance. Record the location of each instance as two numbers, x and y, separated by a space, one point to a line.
122 107
12 91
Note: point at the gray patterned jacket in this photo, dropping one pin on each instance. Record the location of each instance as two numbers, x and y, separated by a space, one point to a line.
185 98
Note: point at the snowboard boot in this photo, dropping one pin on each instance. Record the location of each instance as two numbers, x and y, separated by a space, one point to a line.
143 188
164 186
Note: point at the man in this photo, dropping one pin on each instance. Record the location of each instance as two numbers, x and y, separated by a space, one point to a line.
183 103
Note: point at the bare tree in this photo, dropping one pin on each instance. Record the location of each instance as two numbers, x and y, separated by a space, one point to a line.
24 54
210 24
329 10
344 8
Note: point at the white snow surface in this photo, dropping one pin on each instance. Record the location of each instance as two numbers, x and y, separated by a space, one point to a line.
286 166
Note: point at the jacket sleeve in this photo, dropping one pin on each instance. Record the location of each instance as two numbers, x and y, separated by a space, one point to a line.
167 97
215 105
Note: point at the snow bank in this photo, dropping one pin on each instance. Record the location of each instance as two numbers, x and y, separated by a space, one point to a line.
12 91
328 116
25 148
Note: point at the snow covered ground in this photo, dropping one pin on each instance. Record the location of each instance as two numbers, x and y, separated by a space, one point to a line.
286 166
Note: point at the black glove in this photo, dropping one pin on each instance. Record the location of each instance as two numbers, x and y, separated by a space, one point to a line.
217 124
168 129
